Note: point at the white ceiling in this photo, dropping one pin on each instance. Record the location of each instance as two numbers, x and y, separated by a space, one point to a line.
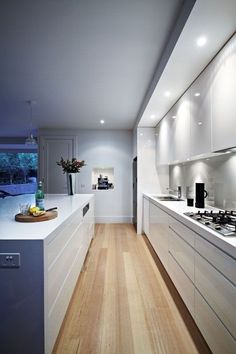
214 19
80 60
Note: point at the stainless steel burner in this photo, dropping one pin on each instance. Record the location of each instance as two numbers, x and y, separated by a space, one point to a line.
223 222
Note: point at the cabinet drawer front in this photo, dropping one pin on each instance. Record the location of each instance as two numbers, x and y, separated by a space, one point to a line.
57 311
182 283
214 332
62 236
183 253
218 292
224 263
182 230
58 271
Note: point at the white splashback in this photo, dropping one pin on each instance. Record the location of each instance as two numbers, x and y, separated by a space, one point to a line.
218 173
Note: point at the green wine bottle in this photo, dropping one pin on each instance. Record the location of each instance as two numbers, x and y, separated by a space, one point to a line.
39 197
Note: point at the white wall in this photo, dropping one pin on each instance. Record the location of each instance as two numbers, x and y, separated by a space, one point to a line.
104 148
108 148
148 180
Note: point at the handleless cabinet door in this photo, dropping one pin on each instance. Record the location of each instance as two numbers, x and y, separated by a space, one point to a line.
182 253
217 336
200 108
218 291
165 140
159 233
181 129
224 98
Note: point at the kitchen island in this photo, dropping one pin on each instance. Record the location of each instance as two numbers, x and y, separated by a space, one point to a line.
47 259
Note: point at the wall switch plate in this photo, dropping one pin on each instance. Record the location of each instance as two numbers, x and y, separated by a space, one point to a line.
9 260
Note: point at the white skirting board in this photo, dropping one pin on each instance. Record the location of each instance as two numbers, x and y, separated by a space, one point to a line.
113 219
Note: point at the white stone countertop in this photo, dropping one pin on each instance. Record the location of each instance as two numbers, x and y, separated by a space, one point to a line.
177 210
13 230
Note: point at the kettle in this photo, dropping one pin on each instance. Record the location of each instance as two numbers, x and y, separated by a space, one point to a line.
200 195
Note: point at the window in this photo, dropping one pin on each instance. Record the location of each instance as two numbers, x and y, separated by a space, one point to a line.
18 172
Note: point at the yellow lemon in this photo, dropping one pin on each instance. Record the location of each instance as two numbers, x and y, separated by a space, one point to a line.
33 210
39 212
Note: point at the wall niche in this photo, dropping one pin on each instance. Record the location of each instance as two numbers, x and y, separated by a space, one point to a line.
103 178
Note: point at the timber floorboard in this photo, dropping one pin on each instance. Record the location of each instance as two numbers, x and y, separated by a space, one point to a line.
125 303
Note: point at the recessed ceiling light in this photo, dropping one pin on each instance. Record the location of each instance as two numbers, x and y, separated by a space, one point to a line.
173 117
102 121
201 41
228 152
167 94
197 94
199 123
152 116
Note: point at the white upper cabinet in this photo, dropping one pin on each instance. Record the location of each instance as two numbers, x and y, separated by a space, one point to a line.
200 111
224 98
164 141
181 129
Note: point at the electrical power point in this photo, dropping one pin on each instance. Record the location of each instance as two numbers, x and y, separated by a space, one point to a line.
9 260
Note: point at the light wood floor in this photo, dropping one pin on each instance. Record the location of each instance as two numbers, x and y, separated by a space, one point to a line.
124 302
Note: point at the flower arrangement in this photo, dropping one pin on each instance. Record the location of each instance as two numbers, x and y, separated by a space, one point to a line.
71 166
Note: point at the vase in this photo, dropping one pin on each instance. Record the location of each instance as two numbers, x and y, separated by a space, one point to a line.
70 183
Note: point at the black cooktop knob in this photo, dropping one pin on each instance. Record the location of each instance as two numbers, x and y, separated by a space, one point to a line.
218 227
207 223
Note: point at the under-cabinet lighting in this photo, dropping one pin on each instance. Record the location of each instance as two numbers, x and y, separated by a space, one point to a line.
199 123
201 41
152 116
102 121
197 94
173 117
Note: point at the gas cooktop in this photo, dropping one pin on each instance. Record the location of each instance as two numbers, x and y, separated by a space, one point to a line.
221 221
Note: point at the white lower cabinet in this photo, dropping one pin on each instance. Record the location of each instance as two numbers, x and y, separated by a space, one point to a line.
181 263
182 283
203 274
159 232
216 335
218 292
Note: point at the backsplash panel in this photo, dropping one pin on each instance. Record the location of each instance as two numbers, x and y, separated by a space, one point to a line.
218 173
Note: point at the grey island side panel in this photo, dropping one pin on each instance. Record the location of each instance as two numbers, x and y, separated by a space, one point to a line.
22 299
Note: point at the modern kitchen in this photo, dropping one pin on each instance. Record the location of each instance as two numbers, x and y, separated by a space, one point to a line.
117 177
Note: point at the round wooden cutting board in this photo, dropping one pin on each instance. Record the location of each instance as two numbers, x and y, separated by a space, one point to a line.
49 215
